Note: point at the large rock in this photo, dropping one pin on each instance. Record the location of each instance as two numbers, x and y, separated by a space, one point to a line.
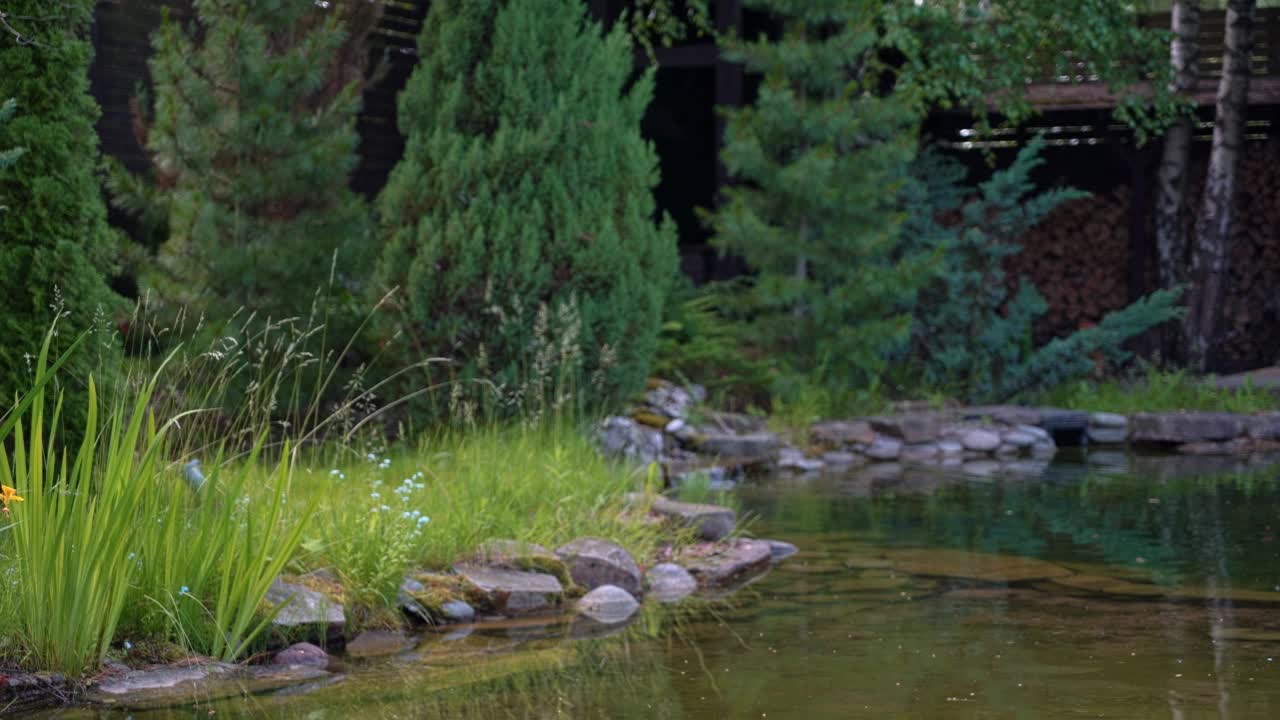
842 433
1265 426
305 609
514 592
719 565
624 437
711 521
670 583
1185 427
593 562
1108 420
670 400
983 441
755 446
922 453
912 429
608 604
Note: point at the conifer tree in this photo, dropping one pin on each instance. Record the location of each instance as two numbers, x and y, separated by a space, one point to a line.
55 246
820 158
525 184
252 139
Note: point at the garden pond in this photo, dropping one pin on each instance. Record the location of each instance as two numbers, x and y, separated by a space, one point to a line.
1104 586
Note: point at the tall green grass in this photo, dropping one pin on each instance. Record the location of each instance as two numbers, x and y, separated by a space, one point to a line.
1159 391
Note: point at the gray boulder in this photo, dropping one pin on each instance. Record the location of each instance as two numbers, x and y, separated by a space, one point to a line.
790 458
922 453
752 447
781 550
593 562
458 611
303 608
672 401
912 428
608 604
842 433
984 441
302 654
623 437
670 583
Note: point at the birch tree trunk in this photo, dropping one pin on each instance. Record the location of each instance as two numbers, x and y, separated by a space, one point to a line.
1213 229
1171 180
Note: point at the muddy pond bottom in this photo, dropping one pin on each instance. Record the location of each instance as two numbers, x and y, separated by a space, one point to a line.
1139 589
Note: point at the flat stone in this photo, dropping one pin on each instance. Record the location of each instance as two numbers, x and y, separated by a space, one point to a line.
182 685
912 429
781 550
608 604
304 607
1265 426
722 565
745 448
302 653
1019 439
842 433
594 562
984 441
843 459
1185 427
1057 421
1006 414
1108 435
884 448
712 521
514 592
1108 420
670 583
377 643
922 453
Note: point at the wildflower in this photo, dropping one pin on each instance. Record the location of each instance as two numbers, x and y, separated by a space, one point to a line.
8 495
423 520
128 645
375 495
335 471
184 590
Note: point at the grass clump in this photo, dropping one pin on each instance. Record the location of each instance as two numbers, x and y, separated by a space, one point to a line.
1159 391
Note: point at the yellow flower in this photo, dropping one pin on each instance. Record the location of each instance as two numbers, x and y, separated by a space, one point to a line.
8 495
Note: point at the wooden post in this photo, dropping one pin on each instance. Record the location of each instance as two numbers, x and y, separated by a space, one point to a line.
729 77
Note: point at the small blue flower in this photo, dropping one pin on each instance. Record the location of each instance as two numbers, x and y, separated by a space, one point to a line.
375 495
184 590
424 520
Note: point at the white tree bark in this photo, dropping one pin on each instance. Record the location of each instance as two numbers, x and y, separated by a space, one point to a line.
1171 180
1213 228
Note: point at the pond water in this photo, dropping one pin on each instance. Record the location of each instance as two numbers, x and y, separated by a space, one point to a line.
1134 588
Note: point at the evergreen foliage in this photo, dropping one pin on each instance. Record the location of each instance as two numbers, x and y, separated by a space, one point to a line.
252 140
525 192
55 245
972 334
821 157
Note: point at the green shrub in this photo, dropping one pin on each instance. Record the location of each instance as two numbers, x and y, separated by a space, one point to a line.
252 138
971 333
523 204
55 246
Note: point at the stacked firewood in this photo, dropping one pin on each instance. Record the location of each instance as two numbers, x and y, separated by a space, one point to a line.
1251 311
1077 257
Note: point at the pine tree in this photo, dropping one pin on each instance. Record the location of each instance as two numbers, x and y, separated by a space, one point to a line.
252 140
521 218
820 159
55 245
